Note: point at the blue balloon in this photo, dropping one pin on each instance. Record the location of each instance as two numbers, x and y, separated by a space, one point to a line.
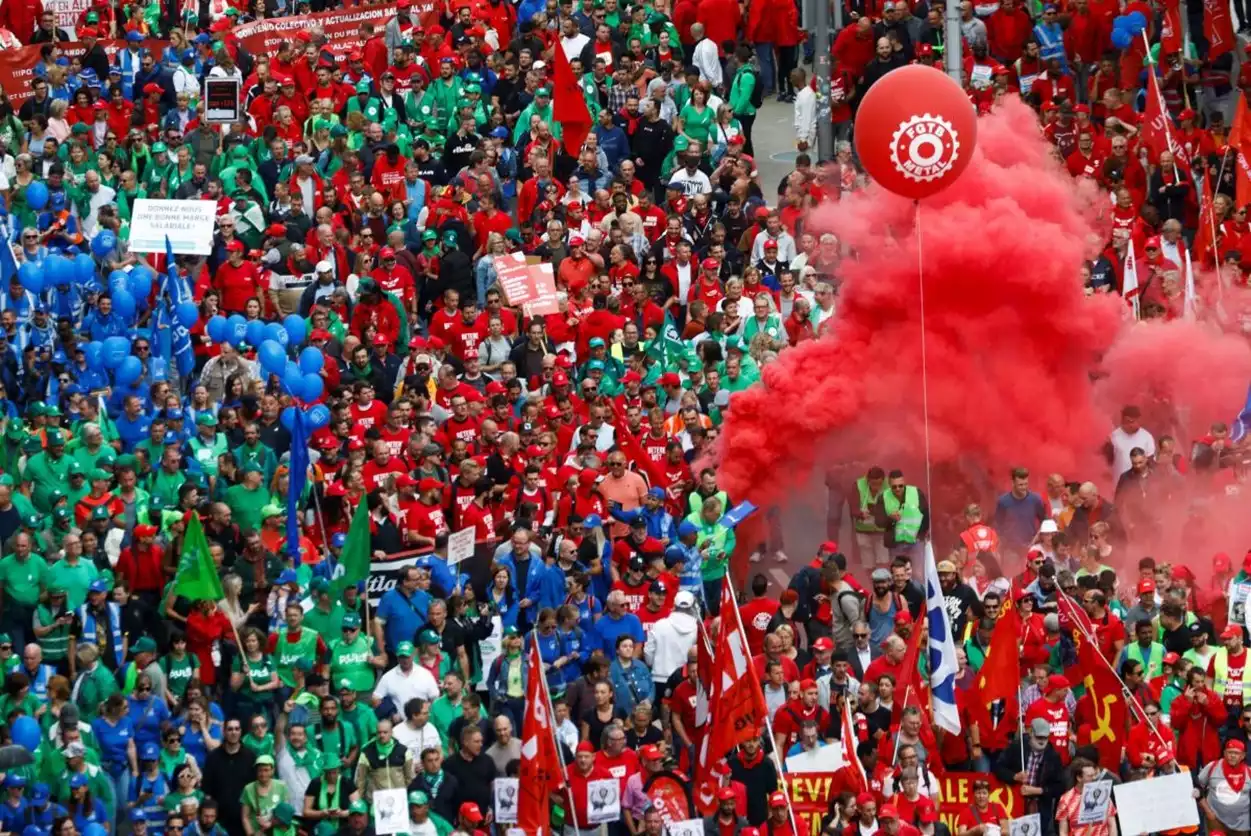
94 829
317 416
218 329
58 271
311 360
124 304
118 280
273 358
275 332
116 349
292 379
288 419
1121 39
31 277
141 279
1138 21
104 243
93 354
84 268
186 313
238 329
130 370
297 330
255 332
37 195
25 729
312 387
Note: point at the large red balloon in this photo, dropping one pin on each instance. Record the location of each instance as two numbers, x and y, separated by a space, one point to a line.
915 131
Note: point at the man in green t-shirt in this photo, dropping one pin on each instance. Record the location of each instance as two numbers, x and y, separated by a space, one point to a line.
326 616
293 643
23 576
353 656
246 499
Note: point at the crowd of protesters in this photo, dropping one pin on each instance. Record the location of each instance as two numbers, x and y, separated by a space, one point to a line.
369 193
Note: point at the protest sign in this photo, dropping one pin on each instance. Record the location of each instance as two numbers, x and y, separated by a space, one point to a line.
505 792
67 13
688 827
17 66
1030 825
824 759
532 287
1156 805
603 801
391 812
1096 796
222 101
460 545
342 27
188 224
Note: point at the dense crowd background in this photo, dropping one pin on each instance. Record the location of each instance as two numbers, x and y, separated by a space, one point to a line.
361 207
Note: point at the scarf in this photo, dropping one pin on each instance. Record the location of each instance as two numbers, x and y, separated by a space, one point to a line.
329 801
1235 776
308 760
384 749
434 782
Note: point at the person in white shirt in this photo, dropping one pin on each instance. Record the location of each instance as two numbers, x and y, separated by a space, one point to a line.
706 57
404 682
1126 437
775 231
572 41
805 111
417 733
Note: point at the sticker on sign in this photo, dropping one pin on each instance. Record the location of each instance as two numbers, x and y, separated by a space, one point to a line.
188 224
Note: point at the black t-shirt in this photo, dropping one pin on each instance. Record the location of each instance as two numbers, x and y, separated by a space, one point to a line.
346 788
597 726
458 149
961 603
651 734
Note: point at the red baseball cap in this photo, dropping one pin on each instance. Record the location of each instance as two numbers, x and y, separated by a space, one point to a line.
726 794
829 547
469 810
632 377
711 264
823 643
808 685
386 252
235 246
650 753
1146 585
576 241
1153 243
888 811
560 379
1230 631
777 799
1054 683
586 746
429 483
403 480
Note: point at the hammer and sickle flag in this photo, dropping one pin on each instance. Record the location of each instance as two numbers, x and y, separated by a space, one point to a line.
1109 712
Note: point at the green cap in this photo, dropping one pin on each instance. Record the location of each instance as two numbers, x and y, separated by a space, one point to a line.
61 514
56 496
32 521
362 87
320 124
404 649
106 459
595 365
271 511
330 759
100 474
542 91
430 235
35 410
449 238
419 798
681 143
318 584
93 17
80 128
5 638
473 88
511 631
159 148
351 621
76 468
338 130
206 419
428 636
359 806
144 645
284 813
265 760
346 685
32 445
52 411
6 479
100 513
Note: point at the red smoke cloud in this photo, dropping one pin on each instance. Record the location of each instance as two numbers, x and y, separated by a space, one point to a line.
1011 342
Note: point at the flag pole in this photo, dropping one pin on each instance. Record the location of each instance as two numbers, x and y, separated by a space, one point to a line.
560 755
1099 653
777 758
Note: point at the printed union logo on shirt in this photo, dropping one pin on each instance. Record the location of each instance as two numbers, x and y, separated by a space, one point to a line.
924 147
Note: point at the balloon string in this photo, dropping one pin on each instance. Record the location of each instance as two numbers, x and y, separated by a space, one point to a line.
925 389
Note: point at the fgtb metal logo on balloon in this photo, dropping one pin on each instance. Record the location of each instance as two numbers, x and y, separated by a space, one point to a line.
925 147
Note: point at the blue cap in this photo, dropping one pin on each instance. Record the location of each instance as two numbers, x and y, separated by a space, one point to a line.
149 752
133 36
189 54
40 794
14 780
174 414
99 586
499 132
32 830
137 814
337 541
673 556
59 357
592 521
424 562
86 73
57 199
171 437
72 389
78 780
656 493
203 38
686 527
287 576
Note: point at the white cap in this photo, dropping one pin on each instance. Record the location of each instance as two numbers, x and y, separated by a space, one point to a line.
324 267
684 600
537 65
1048 527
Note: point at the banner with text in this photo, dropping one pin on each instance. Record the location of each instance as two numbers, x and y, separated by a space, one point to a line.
17 66
811 794
189 225
341 26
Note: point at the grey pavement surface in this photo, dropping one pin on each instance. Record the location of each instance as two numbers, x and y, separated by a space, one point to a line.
774 138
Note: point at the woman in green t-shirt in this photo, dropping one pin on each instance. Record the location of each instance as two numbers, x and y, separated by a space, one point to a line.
253 676
697 117
185 784
262 795
180 667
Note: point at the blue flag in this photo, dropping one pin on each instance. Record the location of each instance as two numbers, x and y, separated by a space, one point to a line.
737 514
297 477
174 338
1242 424
942 650
8 264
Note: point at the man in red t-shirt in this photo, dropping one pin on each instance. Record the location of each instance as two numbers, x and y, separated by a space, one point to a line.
791 717
381 467
1051 708
757 613
634 584
1227 672
365 411
237 280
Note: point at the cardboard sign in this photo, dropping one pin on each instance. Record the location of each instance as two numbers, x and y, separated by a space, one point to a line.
603 801
1030 825
1156 804
460 545
689 827
222 101
506 796
188 224
391 812
531 287
1096 796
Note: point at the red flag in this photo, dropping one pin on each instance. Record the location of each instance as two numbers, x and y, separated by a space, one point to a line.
1000 675
540 762
735 699
1205 238
912 691
1218 28
1170 28
1109 712
851 761
569 108
1157 129
1240 140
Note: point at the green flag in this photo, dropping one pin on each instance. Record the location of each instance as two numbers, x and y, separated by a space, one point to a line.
197 578
354 558
666 346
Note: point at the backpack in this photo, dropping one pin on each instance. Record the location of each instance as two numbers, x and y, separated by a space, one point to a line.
757 92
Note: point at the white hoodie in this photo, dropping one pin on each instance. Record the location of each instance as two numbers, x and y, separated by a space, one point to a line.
668 643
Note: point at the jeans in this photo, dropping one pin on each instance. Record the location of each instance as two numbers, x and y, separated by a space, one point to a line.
712 595
788 59
768 70
121 793
747 121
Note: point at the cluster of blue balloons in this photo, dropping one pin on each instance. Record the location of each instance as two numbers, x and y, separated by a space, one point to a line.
113 354
273 340
1127 27
56 271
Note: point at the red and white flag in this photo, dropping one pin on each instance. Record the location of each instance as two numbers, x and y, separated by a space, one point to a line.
735 700
540 762
1157 128
1218 28
851 761
1171 28
1129 283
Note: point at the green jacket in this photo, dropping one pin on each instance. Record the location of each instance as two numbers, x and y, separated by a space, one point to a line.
745 81
48 475
720 542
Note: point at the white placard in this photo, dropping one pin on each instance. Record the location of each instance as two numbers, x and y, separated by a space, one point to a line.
491 647
1156 804
689 827
1030 825
391 811
823 759
507 795
460 545
1096 796
603 801
189 224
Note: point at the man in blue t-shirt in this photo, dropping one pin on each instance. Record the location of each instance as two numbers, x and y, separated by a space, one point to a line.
402 612
1018 513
